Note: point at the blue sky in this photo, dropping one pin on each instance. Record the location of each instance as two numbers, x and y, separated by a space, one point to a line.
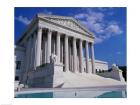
108 25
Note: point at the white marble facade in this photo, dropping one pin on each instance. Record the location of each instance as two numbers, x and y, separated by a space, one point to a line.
61 36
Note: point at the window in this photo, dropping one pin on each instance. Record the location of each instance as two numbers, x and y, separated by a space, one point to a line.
16 78
18 64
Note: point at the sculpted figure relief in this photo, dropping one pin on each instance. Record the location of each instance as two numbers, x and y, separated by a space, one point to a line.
69 24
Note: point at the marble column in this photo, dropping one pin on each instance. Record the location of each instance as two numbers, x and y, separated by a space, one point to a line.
74 55
35 50
38 52
41 57
58 47
49 41
87 57
66 53
70 57
46 49
92 59
81 56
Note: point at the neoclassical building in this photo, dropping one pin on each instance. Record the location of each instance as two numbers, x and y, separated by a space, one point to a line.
52 46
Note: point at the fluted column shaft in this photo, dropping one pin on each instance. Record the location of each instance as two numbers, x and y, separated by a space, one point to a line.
93 59
38 52
49 41
81 56
66 53
74 55
87 57
46 50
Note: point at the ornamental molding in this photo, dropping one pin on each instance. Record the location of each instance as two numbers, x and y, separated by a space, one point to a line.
68 22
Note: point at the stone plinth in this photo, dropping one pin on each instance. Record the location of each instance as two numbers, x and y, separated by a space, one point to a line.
47 76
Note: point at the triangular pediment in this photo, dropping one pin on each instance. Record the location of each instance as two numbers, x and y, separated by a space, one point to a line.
68 22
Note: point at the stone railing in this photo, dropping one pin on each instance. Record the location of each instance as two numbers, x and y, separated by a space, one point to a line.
115 73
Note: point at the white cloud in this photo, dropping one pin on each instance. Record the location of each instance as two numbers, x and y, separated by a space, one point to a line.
98 28
90 16
80 16
98 40
92 20
23 20
114 29
26 21
96 23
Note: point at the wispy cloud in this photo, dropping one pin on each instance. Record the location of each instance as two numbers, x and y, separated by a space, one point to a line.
23 20
114 29
95 21
98 39
27 21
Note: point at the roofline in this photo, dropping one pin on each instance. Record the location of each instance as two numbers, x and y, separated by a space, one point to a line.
33 21
38 16
101 61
